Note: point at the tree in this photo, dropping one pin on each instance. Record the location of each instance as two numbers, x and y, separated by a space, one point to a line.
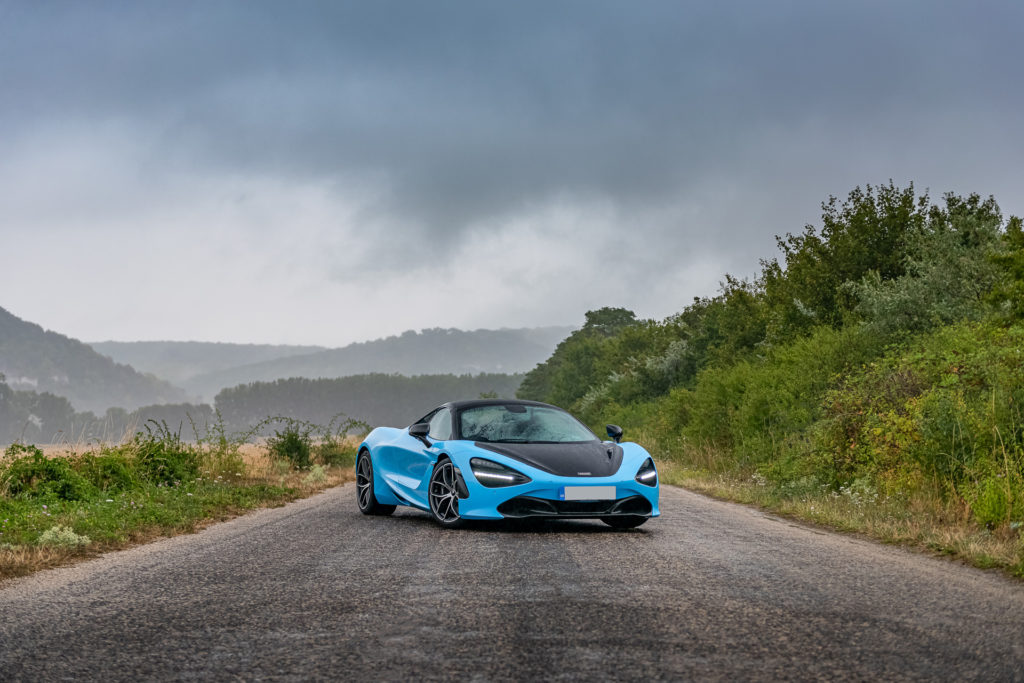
1008 294
868 232
607 321
576 363
949 271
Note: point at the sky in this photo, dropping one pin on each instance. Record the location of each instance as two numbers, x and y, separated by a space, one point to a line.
329 172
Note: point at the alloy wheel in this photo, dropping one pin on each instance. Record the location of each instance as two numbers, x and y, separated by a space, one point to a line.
444 494
365 496
364 482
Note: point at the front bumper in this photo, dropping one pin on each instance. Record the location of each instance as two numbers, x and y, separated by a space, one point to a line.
541 499
529 506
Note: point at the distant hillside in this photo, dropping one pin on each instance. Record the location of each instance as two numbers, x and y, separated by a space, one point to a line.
378 399
434 351
40 418
179 361
38 360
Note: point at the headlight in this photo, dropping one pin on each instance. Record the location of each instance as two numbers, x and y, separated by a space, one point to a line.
648 476
492 475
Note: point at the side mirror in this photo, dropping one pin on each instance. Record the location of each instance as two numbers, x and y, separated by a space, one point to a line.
420 431
614 432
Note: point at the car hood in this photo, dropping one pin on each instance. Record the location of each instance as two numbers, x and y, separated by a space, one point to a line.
588 459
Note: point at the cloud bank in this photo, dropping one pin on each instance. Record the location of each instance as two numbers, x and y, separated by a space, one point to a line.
328 172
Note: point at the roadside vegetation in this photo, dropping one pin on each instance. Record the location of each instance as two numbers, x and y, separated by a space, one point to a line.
870 377
79 501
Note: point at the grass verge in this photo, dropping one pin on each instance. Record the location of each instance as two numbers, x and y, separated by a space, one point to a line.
65 505
922 520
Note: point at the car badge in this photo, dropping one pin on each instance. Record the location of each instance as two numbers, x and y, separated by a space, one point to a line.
583 474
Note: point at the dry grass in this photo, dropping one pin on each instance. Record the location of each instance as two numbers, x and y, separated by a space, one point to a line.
922 520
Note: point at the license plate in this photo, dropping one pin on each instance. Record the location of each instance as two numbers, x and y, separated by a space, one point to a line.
586 493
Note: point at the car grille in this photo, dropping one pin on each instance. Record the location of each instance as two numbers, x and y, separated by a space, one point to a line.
528 506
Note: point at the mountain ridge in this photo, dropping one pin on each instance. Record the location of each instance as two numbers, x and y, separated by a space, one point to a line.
429 351
178 361
41 360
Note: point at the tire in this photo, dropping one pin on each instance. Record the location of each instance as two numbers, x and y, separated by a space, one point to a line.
624 522
443 495
365 497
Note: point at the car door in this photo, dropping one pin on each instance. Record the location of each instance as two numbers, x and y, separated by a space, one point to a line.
408 462
440 432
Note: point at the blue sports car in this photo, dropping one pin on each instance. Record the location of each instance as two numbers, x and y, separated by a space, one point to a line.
506 459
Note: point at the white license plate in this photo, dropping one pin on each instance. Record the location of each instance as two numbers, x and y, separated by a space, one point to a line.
587 493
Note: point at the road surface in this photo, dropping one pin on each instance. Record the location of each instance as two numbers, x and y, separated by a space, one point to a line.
316 590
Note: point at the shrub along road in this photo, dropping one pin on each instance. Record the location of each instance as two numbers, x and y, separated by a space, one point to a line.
710 590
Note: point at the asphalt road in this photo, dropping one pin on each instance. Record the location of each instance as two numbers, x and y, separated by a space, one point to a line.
708 591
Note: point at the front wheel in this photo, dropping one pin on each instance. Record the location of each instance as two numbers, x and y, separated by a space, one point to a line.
624 522
444 495
368 504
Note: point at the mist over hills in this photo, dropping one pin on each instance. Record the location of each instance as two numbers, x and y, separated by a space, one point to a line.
53 387
179 361
432 351
39 360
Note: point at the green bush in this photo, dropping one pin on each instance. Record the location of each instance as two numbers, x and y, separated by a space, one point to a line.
948 404
757 407
335 453
294 443
28 473
162 457
110 470
300 442
337 442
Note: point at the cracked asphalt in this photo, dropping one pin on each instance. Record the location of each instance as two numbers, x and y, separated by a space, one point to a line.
315 590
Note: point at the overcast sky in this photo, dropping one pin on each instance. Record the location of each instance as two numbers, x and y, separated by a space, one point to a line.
300 172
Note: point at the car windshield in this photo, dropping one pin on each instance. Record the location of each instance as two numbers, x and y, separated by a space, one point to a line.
514 423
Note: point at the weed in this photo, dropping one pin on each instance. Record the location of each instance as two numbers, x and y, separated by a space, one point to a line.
317 475
162 457
62 536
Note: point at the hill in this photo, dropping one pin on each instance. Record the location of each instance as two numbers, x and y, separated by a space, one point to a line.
377 399
179 361
44 418
433 351
39 360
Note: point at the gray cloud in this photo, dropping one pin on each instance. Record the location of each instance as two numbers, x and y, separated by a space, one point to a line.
701 129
